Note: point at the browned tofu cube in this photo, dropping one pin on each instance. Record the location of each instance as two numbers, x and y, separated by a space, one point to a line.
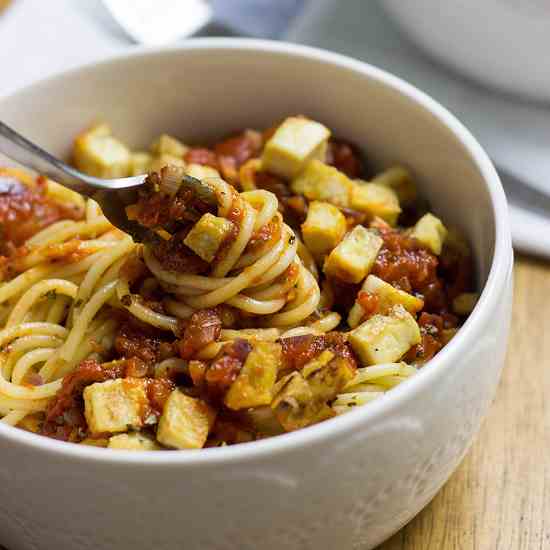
253 386
324 228
185 422
116 405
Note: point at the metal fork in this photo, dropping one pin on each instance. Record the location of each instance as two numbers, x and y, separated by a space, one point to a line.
113 195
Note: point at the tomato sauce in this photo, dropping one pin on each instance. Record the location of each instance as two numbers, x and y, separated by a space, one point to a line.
26 210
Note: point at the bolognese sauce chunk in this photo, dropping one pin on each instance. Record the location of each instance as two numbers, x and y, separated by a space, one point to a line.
404 262
174 255
434 330
25 210
293 207
346 158
225 368
202 328
158 391
135 339
240 147
170 198
202 156
297 351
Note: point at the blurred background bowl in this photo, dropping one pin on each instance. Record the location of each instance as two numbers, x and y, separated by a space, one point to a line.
503 44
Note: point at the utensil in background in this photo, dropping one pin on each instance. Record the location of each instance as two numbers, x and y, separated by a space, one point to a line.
163 21
155 22
529 211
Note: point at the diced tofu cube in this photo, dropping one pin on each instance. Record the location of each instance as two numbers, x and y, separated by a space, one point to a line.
317 363
385 338
207 235
31 423
352 259
430 232
377 200
253 386
140 163
263 420
115 406
133 442
324 228
294 404
355 315
101 129
98 153
168 145
322 182
388 296
185 422
464 303
295 142
160 161
201 172
95 442
327 375
400 180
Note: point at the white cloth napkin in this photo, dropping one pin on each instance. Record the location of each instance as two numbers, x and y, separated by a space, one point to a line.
38 38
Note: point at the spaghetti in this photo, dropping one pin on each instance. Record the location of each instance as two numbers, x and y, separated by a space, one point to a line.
242 315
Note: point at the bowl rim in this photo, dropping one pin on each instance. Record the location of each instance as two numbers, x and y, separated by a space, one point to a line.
343 425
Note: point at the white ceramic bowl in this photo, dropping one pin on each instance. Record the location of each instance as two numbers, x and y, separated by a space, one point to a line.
349 482
500 43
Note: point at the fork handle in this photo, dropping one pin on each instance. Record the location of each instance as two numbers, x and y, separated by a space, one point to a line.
23 151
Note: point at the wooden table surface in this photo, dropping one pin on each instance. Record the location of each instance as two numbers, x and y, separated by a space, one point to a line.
499 498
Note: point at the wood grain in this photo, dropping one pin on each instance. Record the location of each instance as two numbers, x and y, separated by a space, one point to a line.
499 498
